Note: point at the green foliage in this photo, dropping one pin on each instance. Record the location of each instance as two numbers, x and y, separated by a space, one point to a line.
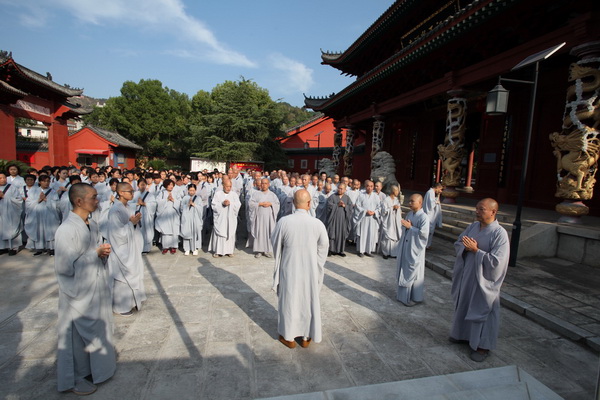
157 164
236 121
22 166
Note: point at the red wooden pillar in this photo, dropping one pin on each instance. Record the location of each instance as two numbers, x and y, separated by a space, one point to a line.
58 143
8 137
468 188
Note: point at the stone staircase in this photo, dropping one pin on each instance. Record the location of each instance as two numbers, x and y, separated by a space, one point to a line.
504 383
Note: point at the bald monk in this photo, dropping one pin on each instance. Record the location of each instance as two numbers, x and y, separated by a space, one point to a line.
85 322
300 246
411 253
482 253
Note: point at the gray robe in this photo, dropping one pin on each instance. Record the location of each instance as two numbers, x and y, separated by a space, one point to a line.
167 220
262 220
300 246
148 214
433 209
125 261
411 258
339 220
366 226
85 322
476 282
391 228
222 240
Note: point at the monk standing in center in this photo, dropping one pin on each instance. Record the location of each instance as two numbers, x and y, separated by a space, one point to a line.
300 245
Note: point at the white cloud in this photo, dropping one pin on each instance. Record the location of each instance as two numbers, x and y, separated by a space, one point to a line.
293 76
167 16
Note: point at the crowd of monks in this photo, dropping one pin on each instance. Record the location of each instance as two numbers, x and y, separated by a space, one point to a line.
137 210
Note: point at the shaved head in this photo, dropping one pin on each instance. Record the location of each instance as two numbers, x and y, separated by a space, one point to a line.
78 191
302 199
490 203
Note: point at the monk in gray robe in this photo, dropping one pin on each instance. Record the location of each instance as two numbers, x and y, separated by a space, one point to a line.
191 221
411 253
339 218
144 202
300 246
366 220
125 263
263 209
225 205
482 254
85 322
433 209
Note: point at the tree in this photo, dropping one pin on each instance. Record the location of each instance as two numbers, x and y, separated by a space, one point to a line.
149 114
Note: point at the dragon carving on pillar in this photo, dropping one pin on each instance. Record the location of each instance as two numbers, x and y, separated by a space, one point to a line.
377 144
349 152
452 151
337 148
577 146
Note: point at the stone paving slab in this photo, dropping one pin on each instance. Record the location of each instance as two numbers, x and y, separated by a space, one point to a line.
208 330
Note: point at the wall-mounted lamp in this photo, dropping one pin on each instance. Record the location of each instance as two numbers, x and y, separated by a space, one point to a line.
497 100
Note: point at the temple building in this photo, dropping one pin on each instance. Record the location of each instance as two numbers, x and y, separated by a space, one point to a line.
27 94
423 72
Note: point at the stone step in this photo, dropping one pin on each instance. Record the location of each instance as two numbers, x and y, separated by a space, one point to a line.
510 382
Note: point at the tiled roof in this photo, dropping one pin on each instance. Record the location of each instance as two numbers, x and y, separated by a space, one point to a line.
32 146
112 137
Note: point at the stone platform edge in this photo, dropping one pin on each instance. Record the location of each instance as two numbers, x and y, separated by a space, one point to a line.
549 321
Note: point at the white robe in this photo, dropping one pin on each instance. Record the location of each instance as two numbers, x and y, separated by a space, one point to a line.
42 218
262 220
222 240
11 208
366 226
391 227
191 222
125 261
85 322
167 220
411 258
148 214
433 209
300 246
476 281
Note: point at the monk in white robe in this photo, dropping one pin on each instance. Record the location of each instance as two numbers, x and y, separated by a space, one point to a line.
85 322
482 255
225 205
144 202
339 218
42 219
300 246
11 207
353 192
391 224
366 221
433 209
192 210
125 263
263 209
167 220
411 253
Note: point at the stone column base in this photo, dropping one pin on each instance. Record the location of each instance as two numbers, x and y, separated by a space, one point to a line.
572 211
449 194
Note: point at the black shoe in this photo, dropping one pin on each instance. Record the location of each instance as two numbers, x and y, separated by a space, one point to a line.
386 257
3 251
51 253
342 254
12 252
361 255
368 254
39 252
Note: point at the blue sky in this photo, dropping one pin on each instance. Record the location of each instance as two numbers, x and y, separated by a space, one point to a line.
187 45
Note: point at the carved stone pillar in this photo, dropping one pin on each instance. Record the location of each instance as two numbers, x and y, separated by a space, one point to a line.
577 145
337 149
349 151
378 130
452 151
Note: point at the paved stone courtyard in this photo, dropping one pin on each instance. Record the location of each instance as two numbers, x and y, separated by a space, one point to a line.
208 331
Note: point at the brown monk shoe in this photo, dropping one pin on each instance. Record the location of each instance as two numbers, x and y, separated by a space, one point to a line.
305 343
291 344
